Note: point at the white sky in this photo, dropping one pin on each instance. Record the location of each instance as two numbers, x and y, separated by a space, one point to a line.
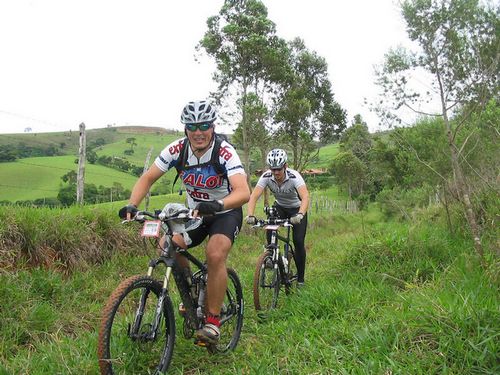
123 62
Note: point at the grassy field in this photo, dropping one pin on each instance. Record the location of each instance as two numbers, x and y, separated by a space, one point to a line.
325 156
32 178
382 297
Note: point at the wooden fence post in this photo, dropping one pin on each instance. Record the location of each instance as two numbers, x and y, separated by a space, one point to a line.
80 178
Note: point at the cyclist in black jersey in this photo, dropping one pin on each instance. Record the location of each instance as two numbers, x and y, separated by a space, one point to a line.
292 201
214 194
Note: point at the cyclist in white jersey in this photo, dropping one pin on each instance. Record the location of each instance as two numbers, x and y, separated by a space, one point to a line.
292 201
216 188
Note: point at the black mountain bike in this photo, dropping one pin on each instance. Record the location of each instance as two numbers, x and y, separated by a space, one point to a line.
137 332
275 270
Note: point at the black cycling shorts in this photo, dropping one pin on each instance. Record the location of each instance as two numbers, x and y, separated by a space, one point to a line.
228 224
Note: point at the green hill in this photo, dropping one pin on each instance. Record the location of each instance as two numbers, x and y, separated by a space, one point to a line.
144 141
40 177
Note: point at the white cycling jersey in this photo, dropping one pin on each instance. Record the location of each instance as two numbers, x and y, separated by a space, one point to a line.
202 183
286 194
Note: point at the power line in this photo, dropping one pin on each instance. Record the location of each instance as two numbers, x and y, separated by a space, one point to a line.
30 118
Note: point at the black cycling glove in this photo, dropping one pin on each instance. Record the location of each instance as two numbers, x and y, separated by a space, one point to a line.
129 208
209 208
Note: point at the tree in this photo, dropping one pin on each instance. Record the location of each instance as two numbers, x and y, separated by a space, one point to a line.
258 135
91 156
247 53
460 51
357 139
306 108
7 153
350 172
132 142
70 178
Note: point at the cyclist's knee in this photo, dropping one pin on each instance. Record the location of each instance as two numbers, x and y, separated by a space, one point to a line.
217 249
216 257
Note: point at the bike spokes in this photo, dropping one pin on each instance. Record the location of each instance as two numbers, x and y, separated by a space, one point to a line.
266 283
127 340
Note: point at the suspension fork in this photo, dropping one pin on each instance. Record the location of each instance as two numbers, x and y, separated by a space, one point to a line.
273 245
159 306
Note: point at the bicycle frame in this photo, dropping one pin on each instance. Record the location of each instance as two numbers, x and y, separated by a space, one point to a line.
271 225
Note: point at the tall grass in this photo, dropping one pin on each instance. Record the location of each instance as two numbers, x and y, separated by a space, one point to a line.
389 299
64 239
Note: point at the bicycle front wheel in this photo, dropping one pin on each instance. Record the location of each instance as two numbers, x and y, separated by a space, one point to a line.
266 282
127 343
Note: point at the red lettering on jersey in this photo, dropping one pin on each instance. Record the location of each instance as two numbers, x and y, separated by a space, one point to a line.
213 181
198 194
189 179
225 153
199 181
175 149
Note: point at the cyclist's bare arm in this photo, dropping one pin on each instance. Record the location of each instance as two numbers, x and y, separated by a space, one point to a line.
256 193
304 199
240 192
144 183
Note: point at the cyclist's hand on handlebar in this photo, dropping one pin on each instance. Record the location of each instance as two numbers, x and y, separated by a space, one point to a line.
251 220
297 218
210 207
128 212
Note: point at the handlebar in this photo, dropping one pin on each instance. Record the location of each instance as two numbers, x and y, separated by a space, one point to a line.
272 221
162 215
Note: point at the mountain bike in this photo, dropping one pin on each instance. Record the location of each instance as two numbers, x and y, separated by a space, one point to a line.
274 270
138 328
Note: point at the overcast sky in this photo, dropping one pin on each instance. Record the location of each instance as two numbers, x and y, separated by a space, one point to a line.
125 62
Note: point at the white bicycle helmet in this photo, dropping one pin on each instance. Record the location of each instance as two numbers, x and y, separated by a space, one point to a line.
198 112
276 158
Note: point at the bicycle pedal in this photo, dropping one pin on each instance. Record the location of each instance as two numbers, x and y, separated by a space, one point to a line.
200 343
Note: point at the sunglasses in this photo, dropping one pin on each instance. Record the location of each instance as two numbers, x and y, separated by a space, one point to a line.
276 169
203 127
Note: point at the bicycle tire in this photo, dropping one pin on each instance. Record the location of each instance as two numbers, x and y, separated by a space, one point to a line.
231 315
266 283
118 353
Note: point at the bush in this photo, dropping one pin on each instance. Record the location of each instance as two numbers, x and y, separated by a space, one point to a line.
399 203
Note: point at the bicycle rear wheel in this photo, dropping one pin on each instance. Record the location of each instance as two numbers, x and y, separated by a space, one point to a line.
231 315
123 349
266 282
